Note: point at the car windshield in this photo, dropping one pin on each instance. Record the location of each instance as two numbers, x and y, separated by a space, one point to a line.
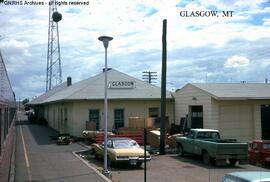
119 144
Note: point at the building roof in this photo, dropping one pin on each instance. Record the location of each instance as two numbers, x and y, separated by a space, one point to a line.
235 91
93 89
48 94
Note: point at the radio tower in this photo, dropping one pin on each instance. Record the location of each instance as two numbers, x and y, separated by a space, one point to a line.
54 71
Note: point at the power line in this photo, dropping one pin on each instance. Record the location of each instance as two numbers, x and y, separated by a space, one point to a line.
149 76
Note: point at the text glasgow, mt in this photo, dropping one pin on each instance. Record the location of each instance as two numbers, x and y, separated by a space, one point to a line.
206 13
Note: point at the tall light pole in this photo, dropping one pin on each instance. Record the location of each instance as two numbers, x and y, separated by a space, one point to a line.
105 40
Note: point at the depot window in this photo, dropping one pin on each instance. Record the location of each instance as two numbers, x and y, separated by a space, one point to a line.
154 112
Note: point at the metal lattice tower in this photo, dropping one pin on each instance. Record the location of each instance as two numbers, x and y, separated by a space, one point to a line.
54 70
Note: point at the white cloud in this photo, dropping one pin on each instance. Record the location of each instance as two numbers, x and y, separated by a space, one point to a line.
237 62
137 39
15 47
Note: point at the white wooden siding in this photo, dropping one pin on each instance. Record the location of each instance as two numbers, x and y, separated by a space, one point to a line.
78 113
234 118
186 97
236 121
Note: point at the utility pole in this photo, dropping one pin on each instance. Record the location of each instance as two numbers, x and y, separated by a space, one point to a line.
149 76
163 89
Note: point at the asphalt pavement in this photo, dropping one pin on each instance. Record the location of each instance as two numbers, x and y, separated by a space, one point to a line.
39 159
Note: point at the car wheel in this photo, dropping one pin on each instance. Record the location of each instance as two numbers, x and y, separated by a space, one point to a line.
95 153
206 158
232 162
180 150
138 164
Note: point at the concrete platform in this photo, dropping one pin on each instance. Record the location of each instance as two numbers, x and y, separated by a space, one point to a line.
38 158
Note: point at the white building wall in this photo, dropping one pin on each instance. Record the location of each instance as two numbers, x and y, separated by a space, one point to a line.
243 119
192 96
79 112
62 123
257 121
235 119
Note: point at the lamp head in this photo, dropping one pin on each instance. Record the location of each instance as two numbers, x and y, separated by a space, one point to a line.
105 40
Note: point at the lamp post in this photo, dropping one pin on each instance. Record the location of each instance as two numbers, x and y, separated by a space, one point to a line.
105 40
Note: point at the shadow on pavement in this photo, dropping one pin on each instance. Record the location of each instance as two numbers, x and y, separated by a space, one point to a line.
23 122
98 163
197 161
41 134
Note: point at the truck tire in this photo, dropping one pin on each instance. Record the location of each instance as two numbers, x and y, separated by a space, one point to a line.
232 162
180 150
206 158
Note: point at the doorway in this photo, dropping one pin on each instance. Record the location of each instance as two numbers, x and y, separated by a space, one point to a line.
94 116
196 116
265 121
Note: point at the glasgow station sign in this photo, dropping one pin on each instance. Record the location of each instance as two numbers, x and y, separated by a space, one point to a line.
122 84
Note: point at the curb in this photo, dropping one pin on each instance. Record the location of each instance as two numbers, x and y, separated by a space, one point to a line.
90 166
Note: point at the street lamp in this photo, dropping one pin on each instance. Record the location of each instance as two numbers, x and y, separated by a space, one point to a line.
105 40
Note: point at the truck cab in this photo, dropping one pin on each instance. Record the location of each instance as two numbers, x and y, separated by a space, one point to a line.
208 144
259 153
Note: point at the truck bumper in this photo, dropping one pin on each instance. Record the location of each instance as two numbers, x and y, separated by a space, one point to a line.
223 159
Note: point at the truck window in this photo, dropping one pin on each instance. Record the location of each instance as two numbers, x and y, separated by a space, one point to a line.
191 134
266 145
208 135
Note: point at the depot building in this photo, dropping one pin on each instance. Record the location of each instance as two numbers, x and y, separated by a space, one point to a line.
237 110
69 106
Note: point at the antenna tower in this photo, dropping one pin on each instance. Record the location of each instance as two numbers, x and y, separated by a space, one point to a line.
54 70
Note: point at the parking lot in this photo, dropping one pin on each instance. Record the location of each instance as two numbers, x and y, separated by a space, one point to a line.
172 168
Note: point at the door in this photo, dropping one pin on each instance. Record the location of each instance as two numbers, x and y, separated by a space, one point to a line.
118 118
65 120
265 121
94 117
196 116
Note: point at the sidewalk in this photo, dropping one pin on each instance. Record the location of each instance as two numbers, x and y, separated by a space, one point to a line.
38 158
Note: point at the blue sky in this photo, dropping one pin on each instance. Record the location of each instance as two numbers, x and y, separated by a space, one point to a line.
201 49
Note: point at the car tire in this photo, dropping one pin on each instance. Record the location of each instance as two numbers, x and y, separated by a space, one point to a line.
95 153
206 158
139 164
180 150
232 162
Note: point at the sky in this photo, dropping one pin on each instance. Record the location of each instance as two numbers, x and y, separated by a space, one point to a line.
204 49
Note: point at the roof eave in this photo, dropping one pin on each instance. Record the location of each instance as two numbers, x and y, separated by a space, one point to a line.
242 98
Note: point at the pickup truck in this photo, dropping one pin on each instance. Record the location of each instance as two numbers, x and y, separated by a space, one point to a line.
207 144
259 153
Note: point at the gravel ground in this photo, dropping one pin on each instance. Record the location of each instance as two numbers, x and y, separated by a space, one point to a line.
172 168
